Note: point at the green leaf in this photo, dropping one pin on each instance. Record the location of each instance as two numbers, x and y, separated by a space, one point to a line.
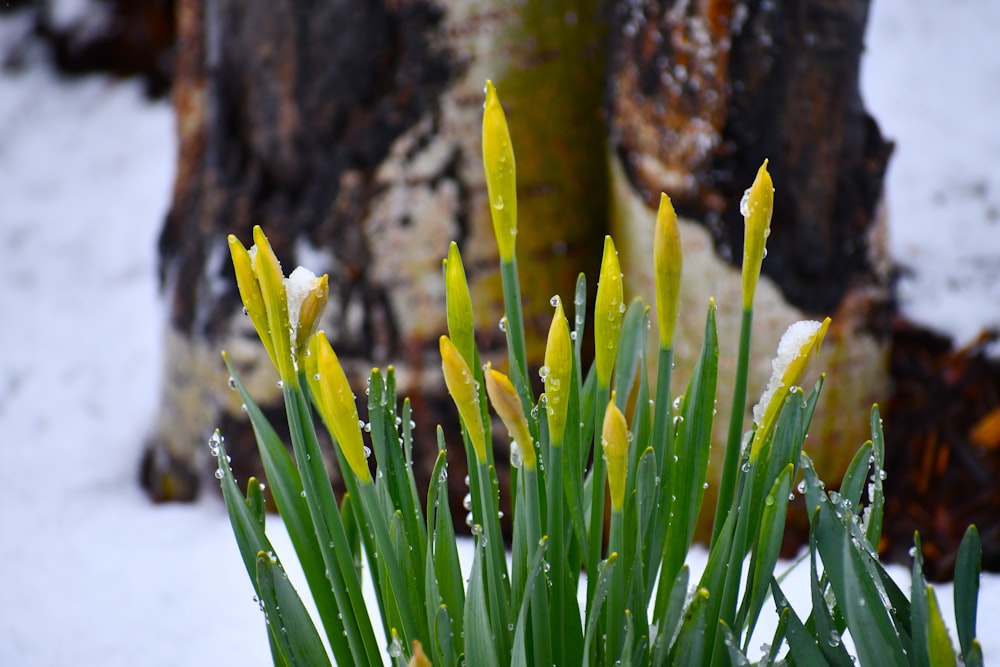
255 500
290 624
691 446
519 655
941 651
857 474
968 565
801 645
732 644
827 631
876 496
772 530
480 644
671 618
603 583
690 644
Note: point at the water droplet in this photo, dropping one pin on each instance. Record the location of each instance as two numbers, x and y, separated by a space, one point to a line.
801 486
232 383
834 640
498 202
218 473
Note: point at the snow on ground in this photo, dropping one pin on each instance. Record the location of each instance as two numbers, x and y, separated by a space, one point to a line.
931 77
94 573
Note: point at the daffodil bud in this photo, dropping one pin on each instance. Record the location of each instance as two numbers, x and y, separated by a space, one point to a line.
507 405
464 391
557 373
418 658
307 297
335 403
798 347
614 439
461 326
250 294
667 261
609 312
756 206
498 163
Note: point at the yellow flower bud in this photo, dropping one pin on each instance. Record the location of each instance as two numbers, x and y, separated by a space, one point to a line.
507 405
419 658
756 206
335 403
557 375
253 300
461 326
798 347
464 391
272 288
614 439
307 297
498 163
667 261
608 313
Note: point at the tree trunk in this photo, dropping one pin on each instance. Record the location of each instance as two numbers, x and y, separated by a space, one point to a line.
350 132
703 92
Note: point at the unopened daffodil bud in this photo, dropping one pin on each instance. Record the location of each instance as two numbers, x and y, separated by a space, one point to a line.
667 261
756 206
250 294
557 373
507 405
798 347
609 312
614 439
464 391
307 297
336 404
461 327
265 298
498 163
418 658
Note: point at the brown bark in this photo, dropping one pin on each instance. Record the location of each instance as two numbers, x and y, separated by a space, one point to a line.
350 132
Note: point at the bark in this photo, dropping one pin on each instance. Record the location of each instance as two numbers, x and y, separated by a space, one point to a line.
701 94
350 131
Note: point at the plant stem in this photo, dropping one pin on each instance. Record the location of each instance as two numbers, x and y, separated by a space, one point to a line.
727 486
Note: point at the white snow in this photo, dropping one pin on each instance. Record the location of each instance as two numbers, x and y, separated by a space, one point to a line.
790 347
931 77
94 573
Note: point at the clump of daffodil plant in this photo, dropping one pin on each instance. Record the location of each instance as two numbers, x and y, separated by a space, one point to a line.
599 451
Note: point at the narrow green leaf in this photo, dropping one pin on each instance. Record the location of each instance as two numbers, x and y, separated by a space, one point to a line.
827 632
857 474
288 619
940 649
968 565
801 644
690 644
732 644
876 497
601 586
669 621
480 643
255 500
768 545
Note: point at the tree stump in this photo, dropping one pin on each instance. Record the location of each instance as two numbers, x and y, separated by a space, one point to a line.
350 132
